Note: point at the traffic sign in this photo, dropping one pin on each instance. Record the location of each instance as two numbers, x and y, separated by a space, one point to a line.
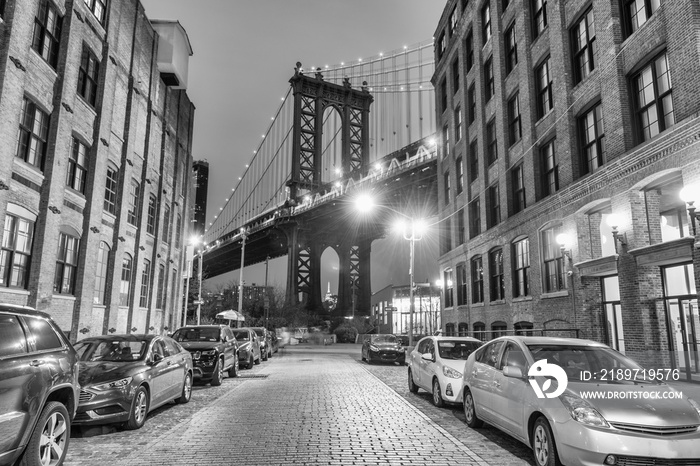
197 302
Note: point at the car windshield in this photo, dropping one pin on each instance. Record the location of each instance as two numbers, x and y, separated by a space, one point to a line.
111 350
592 364
455 349
259 331
383 339
241 336
197 334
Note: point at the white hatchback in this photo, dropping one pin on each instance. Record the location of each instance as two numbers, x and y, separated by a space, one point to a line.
436 365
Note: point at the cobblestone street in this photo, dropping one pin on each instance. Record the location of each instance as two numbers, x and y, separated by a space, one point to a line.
306 405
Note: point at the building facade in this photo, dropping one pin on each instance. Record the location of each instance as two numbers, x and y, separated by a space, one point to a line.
391 310
568 130
96 132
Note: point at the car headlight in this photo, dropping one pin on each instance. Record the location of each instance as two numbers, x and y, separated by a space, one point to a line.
121 383
695 405
209 353
582 411
373 348
451 373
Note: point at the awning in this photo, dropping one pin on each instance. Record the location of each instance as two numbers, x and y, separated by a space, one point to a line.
230 315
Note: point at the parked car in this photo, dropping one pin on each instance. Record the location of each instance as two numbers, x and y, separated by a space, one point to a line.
124 377
384 348
248 347
39 387
214 351
274 339
265 342
436 365
587 424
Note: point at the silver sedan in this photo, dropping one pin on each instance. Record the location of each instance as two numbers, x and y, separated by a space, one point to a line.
578 402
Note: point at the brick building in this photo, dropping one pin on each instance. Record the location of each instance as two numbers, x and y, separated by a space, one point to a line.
96 141
568 130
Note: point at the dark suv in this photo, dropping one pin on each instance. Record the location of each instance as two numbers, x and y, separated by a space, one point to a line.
38 387
214 350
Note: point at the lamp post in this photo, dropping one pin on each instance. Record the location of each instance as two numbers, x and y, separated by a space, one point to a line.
690 195
199 276
240 276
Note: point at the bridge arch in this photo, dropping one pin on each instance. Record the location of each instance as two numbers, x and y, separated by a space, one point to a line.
331 144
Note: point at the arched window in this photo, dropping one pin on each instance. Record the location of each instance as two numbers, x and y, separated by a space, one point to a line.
498 329
450 330
151 217
521 267
160 297
66 263
101 273
125 285
496 282
523 328
16 252
145 283
480 331
552 257
463 329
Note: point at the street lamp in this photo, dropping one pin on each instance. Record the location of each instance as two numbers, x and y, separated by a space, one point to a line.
690 195
412 230
244 235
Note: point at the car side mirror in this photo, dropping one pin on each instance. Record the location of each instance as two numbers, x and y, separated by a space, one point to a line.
427 357
512 371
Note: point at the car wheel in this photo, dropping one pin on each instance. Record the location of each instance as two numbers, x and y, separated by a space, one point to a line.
269 354
48 444
470 411
412 387
233 370
437 394
186 390
218 373
263 356
543 446
139 409
257 361
250 362
363 356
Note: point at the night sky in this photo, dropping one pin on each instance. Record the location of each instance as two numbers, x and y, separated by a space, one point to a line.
244 55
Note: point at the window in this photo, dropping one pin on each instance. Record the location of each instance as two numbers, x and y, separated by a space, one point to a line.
125 284
497 283
449 331
583 40
494 217
471 103
540 16
151 219
458 124
110 204
615 336
16 253
518 186
455 75
485 23
663 197
545 98
480 331
463 329
488 79
77 166
441 45
44 336
166 224
33 133
47 32
2 13
638 12
447 187
98 8
553 262
145 283
449 302
477 281
491 142
514 126
550 170
101 273
459 165
87 76
469 45
178 232
160 296
473 162
453 20
461 228
443 95
446 237
12 338
66 264
461 284
499 329
654 102
445 141
523 328
474 218
132 215
592 139
511 48
521 268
